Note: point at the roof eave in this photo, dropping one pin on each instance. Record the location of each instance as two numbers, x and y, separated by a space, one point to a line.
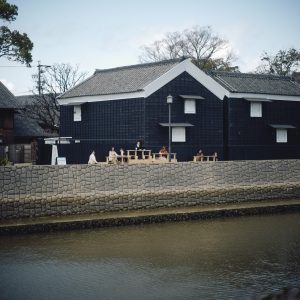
99 98
264 96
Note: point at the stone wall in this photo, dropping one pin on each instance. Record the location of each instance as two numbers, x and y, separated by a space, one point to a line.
34 191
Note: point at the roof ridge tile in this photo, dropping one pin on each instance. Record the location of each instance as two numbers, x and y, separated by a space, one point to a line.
162 62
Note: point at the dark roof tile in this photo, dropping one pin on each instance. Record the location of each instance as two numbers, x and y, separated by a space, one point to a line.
257 83
26 100
27 127
7 99
121 80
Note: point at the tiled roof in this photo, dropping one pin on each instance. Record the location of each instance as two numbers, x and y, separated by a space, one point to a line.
27 127
26 100
7 99
257 83
121 80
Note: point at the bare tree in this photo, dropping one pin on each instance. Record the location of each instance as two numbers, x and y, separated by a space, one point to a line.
284 62
61 77
207 50
54 81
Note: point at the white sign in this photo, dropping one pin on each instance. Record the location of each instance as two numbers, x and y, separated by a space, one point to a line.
61 161
50 142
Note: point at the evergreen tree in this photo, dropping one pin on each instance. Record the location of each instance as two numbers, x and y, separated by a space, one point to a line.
14 45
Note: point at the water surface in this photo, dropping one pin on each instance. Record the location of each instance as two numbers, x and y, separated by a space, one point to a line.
232 258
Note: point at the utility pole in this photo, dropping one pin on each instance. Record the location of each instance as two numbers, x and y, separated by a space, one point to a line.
40 71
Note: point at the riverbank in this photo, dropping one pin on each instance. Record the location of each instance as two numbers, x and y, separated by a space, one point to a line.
61 192
46 224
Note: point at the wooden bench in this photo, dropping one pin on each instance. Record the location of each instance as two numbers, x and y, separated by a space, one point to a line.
158 157
198 158
205 158
119 159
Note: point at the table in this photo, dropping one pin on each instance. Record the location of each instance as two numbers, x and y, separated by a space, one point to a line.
142 153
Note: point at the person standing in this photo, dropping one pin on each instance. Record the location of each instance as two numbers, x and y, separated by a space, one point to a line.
138 145
137 149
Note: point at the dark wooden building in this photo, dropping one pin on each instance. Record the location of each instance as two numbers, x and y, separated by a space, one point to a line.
239 116
261 116
8 105
45 107
18 132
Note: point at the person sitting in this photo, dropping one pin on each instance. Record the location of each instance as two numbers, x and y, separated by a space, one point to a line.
112 156
92 158
199 155
163 152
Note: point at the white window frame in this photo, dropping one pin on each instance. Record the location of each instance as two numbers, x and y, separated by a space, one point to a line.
255 109
178 134
189 106
281 135
77 113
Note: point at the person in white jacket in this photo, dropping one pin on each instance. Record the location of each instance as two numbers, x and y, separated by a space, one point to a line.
112 156
92 159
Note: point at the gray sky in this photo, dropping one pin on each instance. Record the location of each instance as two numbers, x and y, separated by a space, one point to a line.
103 34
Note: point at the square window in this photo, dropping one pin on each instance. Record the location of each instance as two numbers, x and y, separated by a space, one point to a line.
77 113
178 134
255 110
281 135
189 106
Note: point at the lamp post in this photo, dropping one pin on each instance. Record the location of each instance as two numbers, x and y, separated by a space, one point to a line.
169 101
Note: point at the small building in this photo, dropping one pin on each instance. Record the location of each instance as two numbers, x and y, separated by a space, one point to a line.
19 134
239 116
8 106
44 107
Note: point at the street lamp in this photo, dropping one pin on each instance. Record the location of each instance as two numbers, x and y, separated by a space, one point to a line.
169 101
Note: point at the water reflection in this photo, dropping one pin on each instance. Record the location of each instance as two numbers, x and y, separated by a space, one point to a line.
225 258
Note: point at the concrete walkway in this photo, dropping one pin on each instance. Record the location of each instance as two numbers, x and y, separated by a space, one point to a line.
44 224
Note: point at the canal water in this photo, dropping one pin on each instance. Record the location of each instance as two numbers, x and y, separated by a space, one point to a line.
232 258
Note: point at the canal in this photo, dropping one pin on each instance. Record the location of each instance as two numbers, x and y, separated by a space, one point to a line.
232 258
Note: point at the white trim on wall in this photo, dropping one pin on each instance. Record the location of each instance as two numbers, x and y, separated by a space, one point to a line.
207 81
264 96
99 98
191 69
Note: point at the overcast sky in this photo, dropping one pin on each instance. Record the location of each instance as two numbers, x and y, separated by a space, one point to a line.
103 34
